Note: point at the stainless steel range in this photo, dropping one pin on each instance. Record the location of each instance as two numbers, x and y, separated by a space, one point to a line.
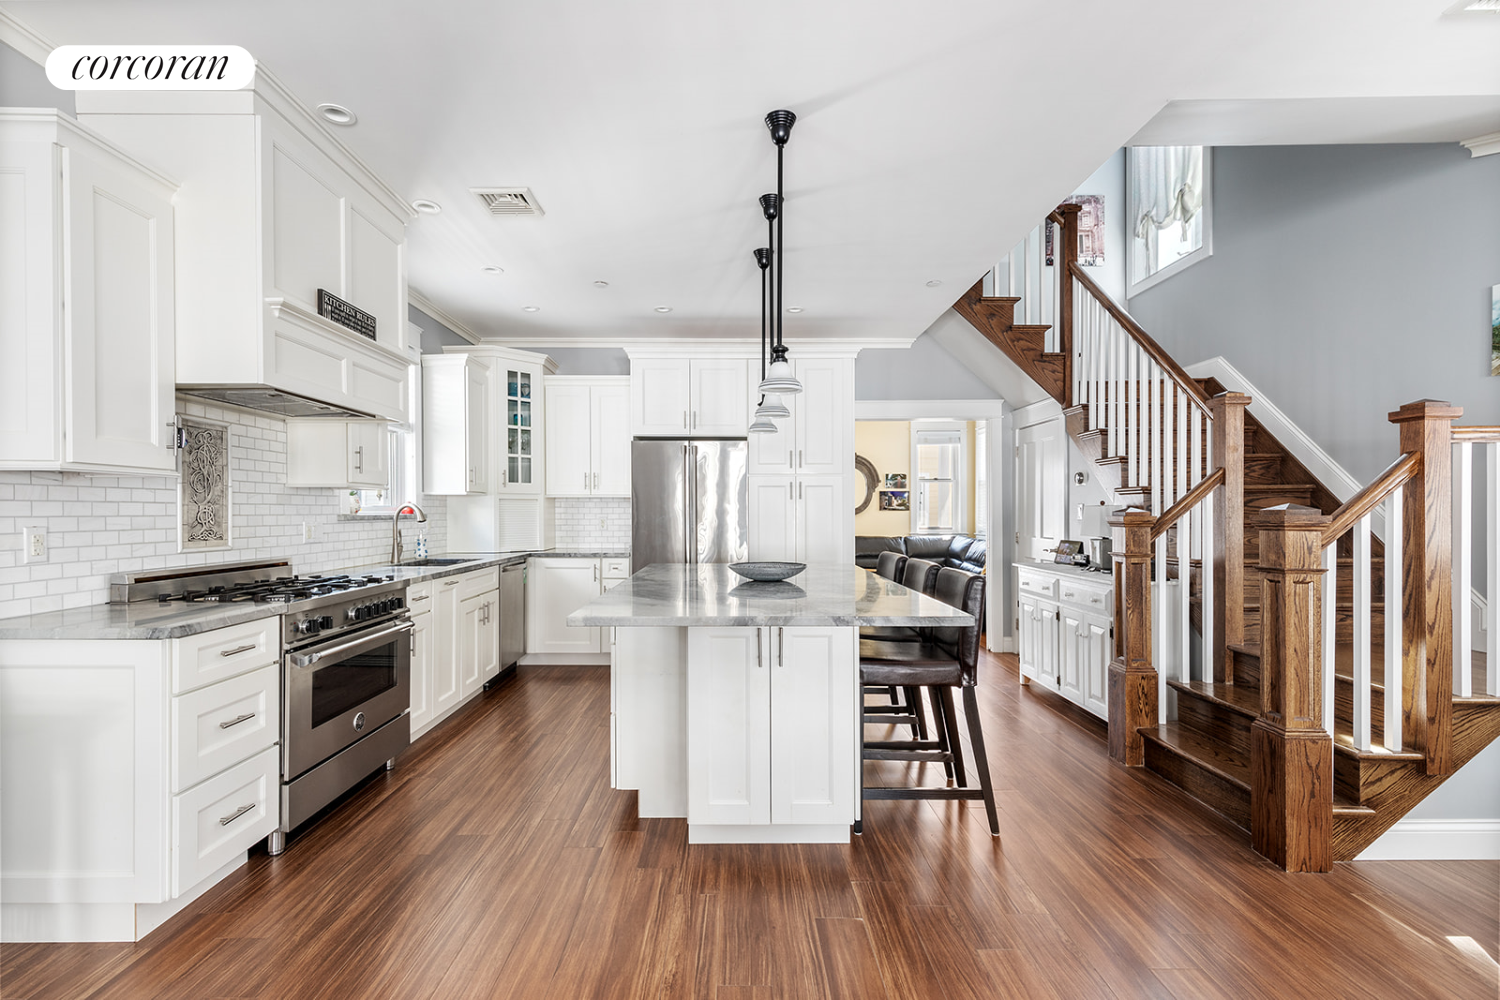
346 670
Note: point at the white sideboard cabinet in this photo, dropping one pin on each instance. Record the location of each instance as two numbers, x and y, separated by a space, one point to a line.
1066 634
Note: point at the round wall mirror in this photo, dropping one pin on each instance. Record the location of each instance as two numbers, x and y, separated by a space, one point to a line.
866 469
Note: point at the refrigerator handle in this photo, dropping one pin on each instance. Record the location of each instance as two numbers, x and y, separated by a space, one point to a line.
693 497
687 501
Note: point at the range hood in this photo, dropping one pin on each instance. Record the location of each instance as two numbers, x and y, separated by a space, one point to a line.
269 399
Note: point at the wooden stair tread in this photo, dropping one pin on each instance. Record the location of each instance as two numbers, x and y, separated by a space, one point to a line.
1237 698
1343 806
1343 745
1219 759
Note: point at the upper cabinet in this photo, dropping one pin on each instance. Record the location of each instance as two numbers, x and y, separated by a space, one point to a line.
272 209
588 436
348 453
682 397
456 406
86 302
818 438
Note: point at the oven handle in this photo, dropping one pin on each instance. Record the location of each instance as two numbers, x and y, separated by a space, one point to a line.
361 644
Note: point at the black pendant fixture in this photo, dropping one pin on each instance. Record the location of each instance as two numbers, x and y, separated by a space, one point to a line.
762 423
778 379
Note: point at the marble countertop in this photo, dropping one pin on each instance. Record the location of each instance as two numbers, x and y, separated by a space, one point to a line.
150 620
678 594
1073 572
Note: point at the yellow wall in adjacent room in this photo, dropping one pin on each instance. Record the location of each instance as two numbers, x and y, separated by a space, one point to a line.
887 444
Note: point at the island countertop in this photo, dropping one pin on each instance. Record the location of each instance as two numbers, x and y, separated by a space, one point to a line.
710 594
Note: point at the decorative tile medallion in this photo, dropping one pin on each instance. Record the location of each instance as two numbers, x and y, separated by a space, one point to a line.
205 485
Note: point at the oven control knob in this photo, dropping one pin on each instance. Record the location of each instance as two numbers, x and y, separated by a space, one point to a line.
397 603
308 626
388 605
325 622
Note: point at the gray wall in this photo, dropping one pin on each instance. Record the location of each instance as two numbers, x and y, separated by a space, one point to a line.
23 84
922 371
1344 282
435 335
587 360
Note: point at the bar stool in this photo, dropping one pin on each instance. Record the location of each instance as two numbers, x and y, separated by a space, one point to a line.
949 659
914 574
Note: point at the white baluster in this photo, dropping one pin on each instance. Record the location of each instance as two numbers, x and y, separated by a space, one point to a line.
1394 620
1149 446
1117 393
1360 577
1185 592
1492 568
1205 555
1463 570
1330 631
1160 641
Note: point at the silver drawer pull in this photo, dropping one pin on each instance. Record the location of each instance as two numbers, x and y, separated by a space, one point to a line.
226 820
424 597
453 583
237 720
238 649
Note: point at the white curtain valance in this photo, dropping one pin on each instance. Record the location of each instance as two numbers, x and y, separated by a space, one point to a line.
1168 188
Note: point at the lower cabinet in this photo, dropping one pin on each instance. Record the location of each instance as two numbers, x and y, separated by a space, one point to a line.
772 734
455 643
1066 634
557 586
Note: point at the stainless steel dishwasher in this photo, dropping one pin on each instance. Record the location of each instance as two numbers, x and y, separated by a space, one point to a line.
512 614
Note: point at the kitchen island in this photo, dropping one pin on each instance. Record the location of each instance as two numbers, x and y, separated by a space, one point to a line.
737 705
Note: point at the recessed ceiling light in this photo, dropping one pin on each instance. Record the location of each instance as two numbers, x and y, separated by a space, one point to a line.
492 269
531 309
793 309
663 309
426 206
337 114
933 283
601 284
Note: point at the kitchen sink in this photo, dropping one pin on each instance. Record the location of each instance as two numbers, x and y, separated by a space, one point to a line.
435 562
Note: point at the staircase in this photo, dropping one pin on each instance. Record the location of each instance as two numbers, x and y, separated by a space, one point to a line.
1205 484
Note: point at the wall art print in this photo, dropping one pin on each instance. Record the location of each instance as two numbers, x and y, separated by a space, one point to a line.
1090 231
1495 329
895 500
205 501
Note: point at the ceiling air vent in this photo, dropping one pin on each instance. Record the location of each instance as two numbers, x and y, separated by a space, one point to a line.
508 201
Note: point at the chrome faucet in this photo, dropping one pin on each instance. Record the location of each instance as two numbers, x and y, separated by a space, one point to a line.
396 546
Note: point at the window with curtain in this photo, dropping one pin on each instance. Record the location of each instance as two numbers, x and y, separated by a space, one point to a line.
940 480
1168 213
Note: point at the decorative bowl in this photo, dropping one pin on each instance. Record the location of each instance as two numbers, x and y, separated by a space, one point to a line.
768 570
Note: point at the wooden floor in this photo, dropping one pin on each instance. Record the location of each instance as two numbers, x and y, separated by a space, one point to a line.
496 862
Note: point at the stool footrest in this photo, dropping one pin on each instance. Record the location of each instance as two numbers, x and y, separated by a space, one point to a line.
924 793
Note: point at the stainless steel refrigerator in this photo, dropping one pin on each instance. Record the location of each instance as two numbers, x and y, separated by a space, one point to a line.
687 501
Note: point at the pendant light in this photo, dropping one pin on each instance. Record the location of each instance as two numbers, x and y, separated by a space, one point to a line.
779 377
762 423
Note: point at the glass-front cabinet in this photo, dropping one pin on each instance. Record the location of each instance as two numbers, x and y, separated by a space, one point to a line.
522 395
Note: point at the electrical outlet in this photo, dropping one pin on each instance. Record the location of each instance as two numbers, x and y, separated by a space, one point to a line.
33 545
307 531
603 526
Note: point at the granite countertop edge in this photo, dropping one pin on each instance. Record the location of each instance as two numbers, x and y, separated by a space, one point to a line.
114 621
763 620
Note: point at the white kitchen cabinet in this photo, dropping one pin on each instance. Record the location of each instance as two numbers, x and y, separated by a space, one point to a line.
423 655
689 397
588 436
456 397
455 643
443 677
771 727
1066 632
162 769
479 634
87 329
342 453
799 518
555 588
272 209
818 438
1072 653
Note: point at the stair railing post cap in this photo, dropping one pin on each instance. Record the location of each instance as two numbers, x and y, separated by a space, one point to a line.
1426 409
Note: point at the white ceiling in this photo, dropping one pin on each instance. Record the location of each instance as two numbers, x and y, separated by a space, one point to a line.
930 136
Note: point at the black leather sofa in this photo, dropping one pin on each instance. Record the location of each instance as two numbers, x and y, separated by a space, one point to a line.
957 551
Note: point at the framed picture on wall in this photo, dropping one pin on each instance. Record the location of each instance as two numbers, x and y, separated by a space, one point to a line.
1495 329
895 480
895 500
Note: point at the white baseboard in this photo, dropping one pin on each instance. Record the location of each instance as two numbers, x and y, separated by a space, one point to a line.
1437 840
564 660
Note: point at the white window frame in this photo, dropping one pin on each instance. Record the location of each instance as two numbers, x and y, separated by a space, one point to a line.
1133 287
960 474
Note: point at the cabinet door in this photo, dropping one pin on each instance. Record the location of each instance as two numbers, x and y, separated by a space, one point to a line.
377 274
422 655
769 454
522 392
476 425
610 440
1026 635
825 520
771 517
446 689
728 726
720 400
487 643
1071 650
824 411
659 400
369 453
119 361
569 428
472 614
1046 642
814 735
557 588
307 221
1098 651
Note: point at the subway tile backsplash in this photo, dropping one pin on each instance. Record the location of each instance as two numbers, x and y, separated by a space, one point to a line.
593 523
100 525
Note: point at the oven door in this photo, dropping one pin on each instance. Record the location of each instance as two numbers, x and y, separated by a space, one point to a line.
336 694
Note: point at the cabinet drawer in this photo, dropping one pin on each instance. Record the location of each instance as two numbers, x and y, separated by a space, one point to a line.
202 659
419 596
223 724
222 817
1091 597
616 569
1037 583
479 582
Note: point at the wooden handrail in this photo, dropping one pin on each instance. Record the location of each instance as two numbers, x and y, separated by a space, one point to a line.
1366 500
1141 337
1476 434
1055 217
1187 502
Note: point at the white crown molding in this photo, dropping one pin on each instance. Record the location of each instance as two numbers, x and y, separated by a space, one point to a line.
818 347
929 409
48 122
1482 145
1437 840
548 366
24 39
422 302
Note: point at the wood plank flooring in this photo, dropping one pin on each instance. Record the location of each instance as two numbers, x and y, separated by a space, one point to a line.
496 862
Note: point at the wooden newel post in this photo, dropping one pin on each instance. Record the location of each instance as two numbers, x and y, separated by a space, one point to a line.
1066 253
1228 412
1132 679
1426 584
1291 754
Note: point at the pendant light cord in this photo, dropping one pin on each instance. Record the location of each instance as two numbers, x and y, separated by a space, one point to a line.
776 254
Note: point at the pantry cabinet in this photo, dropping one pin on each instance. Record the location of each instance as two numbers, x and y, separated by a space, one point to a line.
689 397
1066 631
342 453
456 406
588 436
87 305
